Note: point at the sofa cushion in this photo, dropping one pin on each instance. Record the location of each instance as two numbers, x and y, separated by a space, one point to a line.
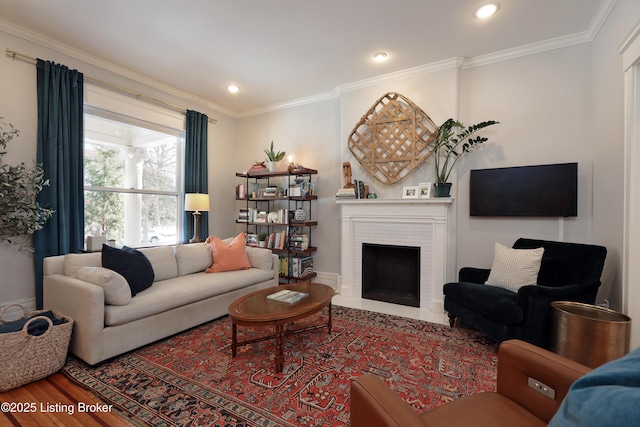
74 262
116 288
495 303
260 258
172 293
163 261
229 257
514 268
193 258
130 263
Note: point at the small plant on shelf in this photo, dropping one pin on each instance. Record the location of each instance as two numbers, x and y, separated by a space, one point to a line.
272 156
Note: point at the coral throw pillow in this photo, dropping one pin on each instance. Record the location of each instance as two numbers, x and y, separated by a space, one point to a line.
229 257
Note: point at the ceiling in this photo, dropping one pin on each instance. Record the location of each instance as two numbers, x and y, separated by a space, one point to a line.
281 51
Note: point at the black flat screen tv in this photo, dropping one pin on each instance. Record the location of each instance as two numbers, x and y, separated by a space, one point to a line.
533 191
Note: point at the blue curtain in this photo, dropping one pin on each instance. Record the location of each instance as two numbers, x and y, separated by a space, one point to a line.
195 168
60 152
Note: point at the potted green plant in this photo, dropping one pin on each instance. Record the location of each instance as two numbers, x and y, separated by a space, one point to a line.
262 238
273 157
454 140
21 215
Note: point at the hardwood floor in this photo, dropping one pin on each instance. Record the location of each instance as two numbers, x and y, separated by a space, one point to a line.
56 401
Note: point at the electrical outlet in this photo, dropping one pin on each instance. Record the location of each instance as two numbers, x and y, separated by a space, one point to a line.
542 388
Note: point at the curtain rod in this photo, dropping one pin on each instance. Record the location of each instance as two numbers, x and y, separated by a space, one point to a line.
13 54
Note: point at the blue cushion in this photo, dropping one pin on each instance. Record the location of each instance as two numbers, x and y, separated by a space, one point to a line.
132 264
606 396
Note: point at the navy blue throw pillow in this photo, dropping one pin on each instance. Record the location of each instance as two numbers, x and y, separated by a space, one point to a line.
132 264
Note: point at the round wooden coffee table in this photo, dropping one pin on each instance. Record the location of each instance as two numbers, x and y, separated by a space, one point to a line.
255 310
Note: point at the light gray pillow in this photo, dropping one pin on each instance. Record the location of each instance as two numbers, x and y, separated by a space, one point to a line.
163 261
116 288
260 258
74 262
514 268
193 258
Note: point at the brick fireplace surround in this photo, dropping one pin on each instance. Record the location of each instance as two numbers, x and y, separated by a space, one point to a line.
423 223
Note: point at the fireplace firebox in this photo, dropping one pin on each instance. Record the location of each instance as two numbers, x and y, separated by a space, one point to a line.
391 274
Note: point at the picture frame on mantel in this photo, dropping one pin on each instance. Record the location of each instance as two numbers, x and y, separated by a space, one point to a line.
424 190
410 192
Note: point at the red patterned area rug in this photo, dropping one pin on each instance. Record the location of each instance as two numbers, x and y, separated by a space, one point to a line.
191 379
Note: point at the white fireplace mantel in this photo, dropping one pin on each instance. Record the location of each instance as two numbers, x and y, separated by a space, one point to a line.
424 223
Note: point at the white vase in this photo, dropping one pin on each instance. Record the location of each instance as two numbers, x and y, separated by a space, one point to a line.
272 166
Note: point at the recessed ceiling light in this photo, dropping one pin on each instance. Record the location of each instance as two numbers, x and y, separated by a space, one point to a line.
486 11
233 88
380 56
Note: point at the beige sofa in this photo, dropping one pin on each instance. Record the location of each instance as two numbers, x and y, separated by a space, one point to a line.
182 296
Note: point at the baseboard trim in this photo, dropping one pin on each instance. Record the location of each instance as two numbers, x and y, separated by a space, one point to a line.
329 279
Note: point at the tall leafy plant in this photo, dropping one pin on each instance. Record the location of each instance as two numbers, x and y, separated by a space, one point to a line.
454 139
20 213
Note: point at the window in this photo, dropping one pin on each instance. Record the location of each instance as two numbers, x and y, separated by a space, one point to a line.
132 179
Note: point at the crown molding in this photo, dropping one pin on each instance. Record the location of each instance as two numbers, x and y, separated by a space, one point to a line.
446 64
290 104
547 45
88 58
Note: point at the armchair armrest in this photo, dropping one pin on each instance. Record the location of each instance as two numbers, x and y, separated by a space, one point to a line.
373 404
473 275
518 361
535 302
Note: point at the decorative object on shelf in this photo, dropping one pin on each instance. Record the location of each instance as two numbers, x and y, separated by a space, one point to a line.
346 171
257 169
450 146
373 196
21 215
273 158
424 190
196 202
300 215
410 192
393 138
262 240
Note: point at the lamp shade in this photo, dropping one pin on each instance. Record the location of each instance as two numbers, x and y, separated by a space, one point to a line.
196 202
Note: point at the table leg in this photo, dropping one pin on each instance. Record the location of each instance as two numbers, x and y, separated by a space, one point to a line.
279 348
234 339
329 323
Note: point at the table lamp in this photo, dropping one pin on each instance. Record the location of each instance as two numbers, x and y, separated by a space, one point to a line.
196 202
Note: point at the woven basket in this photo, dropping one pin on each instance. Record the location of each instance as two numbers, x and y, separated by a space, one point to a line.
25 358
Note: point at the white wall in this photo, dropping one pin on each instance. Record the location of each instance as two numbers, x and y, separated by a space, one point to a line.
543 103
607 127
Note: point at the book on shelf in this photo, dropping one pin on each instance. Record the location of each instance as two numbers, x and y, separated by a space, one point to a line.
270 192
299 242
243 215
288 296
261 216
298 266
346 193
241 191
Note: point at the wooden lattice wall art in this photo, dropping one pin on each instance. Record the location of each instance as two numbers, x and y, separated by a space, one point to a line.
393 138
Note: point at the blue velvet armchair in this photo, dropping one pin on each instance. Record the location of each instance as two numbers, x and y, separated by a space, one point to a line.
568 272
